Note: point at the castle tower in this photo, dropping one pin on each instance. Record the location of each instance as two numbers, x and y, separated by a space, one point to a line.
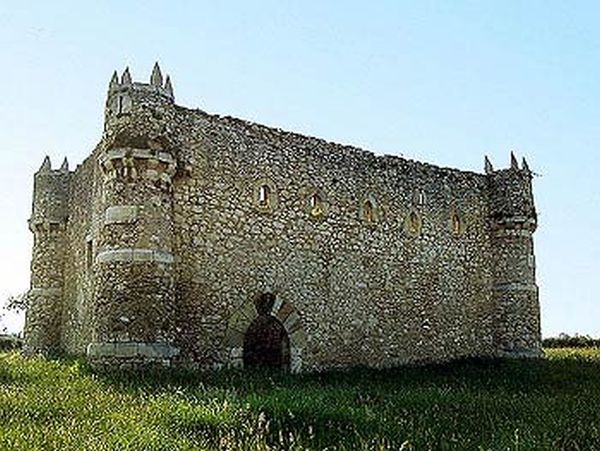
47 223
133 267
513 220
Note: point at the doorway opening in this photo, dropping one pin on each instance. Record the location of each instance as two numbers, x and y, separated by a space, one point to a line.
266 344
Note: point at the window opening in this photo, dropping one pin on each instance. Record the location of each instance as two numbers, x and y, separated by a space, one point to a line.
316 205
89 254
455 224
263 195
413 222
369 211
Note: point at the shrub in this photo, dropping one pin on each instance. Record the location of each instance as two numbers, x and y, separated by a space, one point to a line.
568 341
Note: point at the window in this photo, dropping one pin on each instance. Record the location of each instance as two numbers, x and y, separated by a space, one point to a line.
413 223
456 225
368 211
89 254
264 195
315 204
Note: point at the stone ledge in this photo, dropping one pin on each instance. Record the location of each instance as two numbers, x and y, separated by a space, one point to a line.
136 255
512 232
516 286
147 154
121 214
44 291
131 349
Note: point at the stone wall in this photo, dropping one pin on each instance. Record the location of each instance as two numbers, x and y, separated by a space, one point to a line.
411 283
82 234
182 223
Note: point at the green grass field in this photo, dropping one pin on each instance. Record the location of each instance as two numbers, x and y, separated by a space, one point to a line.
517 405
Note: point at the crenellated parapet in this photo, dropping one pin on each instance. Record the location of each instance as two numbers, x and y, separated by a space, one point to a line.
120 91
511 198
50 196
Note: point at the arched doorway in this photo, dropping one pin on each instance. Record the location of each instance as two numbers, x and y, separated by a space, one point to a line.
266 344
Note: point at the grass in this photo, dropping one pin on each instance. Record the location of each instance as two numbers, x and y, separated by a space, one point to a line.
508 405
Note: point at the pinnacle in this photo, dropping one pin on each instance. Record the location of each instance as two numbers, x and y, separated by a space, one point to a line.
514 164
488 165
126 77
46 165
169 86
65 165
114 81
156 78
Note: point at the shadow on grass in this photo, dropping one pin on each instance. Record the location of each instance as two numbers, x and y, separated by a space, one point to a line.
462 404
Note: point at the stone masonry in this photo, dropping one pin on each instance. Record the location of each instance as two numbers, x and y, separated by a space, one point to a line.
207 241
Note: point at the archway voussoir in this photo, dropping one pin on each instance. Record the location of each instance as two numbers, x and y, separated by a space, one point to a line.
277 305
284 311
248 310
298 338
292 322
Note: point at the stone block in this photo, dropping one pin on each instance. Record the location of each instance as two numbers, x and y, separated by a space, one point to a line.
121 214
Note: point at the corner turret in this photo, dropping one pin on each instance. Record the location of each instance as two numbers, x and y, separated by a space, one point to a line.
47 223
134 295
513 220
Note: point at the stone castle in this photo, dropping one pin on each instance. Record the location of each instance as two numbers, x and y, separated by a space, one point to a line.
206 241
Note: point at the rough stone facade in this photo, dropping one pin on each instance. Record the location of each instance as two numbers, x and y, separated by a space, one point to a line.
199 240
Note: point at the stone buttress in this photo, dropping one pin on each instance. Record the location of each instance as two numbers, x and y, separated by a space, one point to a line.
48 225
513 220
134 296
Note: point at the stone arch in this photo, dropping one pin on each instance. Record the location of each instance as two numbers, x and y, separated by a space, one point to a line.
266 304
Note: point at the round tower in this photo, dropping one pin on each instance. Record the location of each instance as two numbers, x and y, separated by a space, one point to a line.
134 294
513 221
47 223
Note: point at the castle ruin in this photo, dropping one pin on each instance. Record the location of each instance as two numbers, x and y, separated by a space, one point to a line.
198 240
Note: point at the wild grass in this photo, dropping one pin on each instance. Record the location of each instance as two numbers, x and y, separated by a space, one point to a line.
505 405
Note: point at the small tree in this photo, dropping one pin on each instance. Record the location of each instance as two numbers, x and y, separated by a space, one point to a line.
14 303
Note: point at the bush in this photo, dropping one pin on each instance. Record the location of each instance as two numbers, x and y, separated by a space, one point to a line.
568 341
10 343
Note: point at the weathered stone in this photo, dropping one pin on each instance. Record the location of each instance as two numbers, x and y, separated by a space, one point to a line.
183 230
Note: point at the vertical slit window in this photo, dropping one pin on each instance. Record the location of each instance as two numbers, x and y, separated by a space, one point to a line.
316 205
264 193
89 254
369 211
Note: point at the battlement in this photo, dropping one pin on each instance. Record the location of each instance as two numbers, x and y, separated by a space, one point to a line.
155 86
50 196
511 197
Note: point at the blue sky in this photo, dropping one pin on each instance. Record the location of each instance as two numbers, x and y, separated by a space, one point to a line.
443 82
